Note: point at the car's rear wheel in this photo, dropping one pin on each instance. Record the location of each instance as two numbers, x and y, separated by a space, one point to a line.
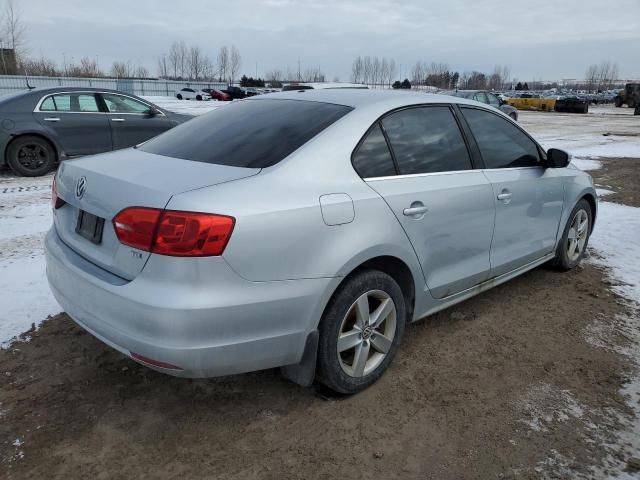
360 332
575 238
179 97
31 156
513 116
198 97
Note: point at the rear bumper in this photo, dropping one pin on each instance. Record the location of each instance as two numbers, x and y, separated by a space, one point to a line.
196 314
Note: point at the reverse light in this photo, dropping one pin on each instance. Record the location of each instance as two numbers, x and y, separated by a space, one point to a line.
56 201
174 233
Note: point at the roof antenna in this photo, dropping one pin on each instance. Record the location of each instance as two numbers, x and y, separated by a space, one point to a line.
26 79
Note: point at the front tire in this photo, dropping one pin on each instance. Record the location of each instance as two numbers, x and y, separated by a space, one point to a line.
360 332
31 156
575 238
179 97
198 97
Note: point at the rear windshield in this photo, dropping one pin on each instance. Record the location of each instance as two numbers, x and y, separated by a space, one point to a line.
251 133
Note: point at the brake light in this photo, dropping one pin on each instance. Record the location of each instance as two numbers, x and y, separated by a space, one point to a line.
174 233
56 201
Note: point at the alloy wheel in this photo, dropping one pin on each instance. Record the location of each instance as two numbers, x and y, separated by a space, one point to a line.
32 156
366 333
577 235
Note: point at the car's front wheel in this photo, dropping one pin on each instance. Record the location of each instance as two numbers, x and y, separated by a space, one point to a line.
179 97
360 332
198 97
573 244
31 156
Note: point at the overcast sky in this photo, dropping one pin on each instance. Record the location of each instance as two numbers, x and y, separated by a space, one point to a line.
549 40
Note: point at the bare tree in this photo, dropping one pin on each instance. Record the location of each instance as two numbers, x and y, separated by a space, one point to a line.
235 62
163 66
174 59
367 70
87 68
391 72
120 70
140 71
40 67
14 30
195 63
356 70
223 62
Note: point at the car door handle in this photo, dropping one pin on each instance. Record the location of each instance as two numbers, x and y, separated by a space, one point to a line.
52 119
415 210
117 119
505 195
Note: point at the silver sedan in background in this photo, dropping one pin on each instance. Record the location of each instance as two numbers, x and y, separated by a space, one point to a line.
304 229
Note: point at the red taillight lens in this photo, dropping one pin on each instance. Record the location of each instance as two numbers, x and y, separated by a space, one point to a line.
169 232
136 226
56 201
191 234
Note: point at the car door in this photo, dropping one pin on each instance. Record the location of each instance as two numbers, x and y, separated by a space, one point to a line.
131 121
445 207
528 197
77 123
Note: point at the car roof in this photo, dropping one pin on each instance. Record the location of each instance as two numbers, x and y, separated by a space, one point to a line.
357 98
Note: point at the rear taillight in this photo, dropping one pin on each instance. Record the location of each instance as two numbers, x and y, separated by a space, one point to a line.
56 201
175 233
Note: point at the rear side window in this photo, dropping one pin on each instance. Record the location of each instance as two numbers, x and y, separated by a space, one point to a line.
502 144
426 140
70 102
373 159
249 133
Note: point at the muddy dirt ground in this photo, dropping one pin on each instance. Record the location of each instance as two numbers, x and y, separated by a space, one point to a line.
513 383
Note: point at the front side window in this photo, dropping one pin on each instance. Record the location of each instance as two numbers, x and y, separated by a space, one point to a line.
493 100
122 104
373 159
250 133
71 102
481 97
501 144
426 140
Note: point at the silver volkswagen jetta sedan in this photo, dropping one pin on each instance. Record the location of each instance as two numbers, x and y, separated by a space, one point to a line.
304 229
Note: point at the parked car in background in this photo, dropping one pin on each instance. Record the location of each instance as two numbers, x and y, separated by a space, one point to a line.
202 253
45 125
252 92
572 104
188 93
489 98
216 94
235 92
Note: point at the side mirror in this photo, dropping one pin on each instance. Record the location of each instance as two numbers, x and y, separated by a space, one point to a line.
557 158
152 112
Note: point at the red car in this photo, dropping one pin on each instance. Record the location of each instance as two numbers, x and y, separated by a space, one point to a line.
217 94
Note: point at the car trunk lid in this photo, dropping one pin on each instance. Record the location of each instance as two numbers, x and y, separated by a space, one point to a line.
104 185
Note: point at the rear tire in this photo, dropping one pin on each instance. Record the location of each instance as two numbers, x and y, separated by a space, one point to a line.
360 332
198 97
575 238
513 116
31 156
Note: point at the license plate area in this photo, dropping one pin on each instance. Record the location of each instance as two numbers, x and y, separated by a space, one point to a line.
90 226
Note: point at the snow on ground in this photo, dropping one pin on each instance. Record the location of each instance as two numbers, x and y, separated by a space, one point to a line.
25 216
616 241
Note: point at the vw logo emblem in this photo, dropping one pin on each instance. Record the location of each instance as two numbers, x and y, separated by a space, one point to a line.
81 187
